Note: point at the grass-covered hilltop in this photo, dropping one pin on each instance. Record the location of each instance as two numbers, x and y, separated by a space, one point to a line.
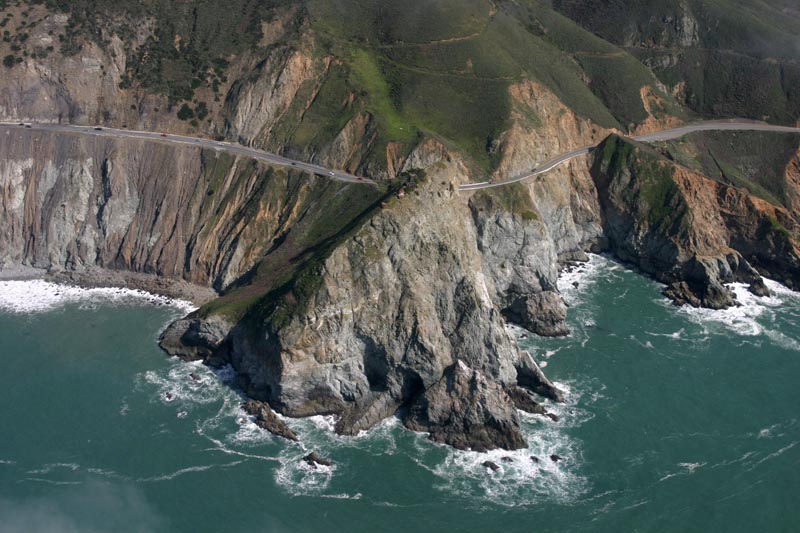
364 301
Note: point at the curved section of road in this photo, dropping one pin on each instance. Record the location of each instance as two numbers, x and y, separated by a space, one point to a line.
232 148
666 135
277 160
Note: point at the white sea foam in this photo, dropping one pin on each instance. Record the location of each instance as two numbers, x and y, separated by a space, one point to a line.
187 470
46 469
584 275
686 469
177 386
51 481
751 318
38 296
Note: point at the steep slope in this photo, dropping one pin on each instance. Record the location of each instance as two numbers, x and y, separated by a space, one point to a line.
719 58
690 232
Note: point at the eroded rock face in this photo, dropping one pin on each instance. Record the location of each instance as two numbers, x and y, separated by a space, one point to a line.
690 232
468 411
394 305
542 313
73 203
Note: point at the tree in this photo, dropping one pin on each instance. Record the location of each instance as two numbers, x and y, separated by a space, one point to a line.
9 61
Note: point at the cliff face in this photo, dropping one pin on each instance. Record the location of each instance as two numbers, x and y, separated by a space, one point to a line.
74 202
527 230
383 319
690 232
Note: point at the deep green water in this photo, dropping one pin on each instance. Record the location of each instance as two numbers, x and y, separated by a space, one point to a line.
676 421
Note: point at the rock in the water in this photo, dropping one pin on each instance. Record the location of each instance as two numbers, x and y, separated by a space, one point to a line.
759 288
543 313
556 458
468 411
523 400
681 294
494 467
194 376
552 416
314 459
194 339
534 459
268 420
530 376
507 459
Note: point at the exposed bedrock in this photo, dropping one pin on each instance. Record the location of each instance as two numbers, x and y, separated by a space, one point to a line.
690 232
399 316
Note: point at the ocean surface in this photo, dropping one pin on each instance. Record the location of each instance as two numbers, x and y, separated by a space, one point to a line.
676 420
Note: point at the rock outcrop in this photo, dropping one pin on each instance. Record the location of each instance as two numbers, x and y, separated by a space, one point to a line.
266 418
382 321
467 411
690 232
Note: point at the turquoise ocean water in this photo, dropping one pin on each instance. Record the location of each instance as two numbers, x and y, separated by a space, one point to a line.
676 420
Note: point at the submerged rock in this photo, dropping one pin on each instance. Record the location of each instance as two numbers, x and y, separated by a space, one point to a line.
268 420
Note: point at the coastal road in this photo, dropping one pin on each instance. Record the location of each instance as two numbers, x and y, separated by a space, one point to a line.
339 175
665 135
222 146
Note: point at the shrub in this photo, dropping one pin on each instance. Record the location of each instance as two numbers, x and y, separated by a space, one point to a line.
185 112
9 61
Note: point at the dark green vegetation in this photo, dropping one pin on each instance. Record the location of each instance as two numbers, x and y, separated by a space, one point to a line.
451 79
755 161
290 272
644 179
736 58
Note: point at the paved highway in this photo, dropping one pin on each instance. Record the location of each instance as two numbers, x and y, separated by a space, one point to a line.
666 135
277 160
232 148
